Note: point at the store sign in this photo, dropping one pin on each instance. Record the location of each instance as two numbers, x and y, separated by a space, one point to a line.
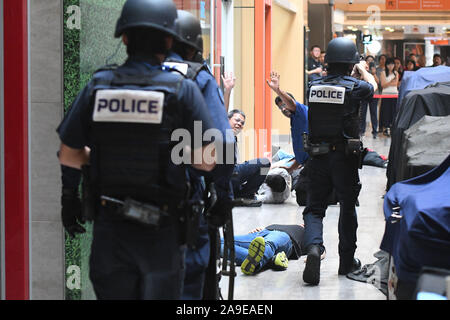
414 29
432 5
423 29
443 42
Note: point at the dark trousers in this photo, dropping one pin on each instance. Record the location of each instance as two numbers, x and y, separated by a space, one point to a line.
131 262
332 170
249 176
388 111
373 115
197 260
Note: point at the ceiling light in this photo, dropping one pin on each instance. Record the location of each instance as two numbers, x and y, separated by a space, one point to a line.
374 47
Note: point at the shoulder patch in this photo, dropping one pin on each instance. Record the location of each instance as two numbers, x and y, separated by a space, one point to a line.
132 106
181 67
327 94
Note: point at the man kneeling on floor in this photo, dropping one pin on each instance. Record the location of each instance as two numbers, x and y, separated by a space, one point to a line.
249 175
269 247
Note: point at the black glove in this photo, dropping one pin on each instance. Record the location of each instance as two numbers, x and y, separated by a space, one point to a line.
220 213
71 212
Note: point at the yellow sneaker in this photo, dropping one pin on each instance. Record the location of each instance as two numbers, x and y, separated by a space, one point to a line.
280 261
255 254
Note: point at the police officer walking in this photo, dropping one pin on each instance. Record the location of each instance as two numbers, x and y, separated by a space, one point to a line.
127 115
335 153
186 57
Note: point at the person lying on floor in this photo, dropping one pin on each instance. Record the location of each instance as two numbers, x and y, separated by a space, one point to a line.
269 247
276 188
372 158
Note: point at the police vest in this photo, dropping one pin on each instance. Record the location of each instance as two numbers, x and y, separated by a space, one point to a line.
133 118
331 115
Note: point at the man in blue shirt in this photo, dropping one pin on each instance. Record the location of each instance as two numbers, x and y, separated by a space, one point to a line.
298 114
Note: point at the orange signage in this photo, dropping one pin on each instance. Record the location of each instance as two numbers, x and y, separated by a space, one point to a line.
439 42
430 5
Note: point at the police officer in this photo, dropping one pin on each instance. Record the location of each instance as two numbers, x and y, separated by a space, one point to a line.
335 150
127 116
186 57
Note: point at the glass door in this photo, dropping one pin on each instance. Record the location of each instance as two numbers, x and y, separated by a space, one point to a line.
209 14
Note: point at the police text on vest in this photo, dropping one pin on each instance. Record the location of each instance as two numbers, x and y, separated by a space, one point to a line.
134 106
327 94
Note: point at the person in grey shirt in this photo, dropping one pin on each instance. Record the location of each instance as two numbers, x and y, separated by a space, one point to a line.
276 188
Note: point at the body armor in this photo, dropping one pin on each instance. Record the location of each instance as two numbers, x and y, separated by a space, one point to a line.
133 119
331 115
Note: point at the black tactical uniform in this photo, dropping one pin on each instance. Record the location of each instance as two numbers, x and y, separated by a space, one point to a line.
198 256
335 149
127 115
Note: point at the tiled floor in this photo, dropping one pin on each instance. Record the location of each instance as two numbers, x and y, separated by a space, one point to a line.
288 285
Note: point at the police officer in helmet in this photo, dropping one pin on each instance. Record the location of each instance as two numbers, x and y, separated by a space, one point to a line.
126 115
186 57
335 153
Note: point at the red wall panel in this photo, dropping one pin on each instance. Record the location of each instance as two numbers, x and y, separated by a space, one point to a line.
16 149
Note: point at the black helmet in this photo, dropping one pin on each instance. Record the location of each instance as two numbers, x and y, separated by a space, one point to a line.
342 50
156 14
189 30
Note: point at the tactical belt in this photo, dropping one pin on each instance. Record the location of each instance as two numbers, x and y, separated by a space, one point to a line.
141 213
337 146
316 149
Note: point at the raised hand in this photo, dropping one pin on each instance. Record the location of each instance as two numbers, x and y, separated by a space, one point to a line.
274 82
229 81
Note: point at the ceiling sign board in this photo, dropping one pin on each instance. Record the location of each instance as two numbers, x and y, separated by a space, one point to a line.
431 5
414 29
443 42
424 29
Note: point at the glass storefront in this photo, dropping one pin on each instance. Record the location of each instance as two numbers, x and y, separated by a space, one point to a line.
202 10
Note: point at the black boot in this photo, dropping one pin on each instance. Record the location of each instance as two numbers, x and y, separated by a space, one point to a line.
347 266
311 274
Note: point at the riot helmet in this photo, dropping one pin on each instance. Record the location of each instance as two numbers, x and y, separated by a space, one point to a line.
189 30
342 50
156 14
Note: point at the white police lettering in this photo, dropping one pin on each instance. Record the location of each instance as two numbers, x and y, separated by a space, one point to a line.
182 67
327 94
135 106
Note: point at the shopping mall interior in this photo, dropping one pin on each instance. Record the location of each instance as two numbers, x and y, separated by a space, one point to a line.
49 50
